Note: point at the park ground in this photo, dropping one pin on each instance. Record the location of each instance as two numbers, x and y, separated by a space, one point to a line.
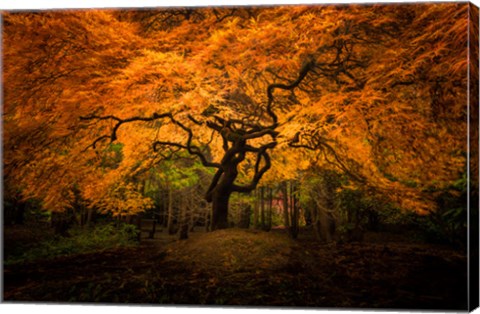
247 267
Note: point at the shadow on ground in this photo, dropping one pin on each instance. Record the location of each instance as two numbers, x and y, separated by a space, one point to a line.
239 267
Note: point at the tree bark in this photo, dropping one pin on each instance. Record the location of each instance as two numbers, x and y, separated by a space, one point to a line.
245 216
308 215
183 229
193 218
255 210
294 210
315 220
165 208
270 209
221 196
220 210
286 219
262 207
170 212
207 220
90 213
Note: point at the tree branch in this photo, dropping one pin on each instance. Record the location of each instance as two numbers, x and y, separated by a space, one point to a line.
259 171
320 145
192 149
99 139
271 88
119 123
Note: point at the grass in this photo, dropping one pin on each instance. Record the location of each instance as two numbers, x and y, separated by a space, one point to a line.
81 240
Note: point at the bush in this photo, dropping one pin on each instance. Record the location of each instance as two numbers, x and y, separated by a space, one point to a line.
81 240
448 224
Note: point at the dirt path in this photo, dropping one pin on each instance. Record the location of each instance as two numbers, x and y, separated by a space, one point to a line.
366 275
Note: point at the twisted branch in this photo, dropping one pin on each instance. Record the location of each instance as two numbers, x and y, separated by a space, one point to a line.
192 149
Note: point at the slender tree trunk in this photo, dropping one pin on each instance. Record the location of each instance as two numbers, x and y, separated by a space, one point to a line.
308 216
244 221
315 221
165 208
183 229
193 214
170 212
240 214
80 215
138 223
294 210
270 208
90 212
262 207
286 219
325 223
255 210
151 234
207 220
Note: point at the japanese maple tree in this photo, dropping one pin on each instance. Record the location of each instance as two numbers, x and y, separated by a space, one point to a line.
377 92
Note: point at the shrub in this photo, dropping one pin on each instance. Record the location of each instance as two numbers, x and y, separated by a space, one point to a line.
81 240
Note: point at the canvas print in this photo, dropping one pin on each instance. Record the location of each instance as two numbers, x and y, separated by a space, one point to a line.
310 156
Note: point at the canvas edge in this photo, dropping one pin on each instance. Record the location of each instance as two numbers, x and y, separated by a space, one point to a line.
473 151
473 156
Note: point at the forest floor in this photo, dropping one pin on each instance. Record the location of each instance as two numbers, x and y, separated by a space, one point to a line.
241 267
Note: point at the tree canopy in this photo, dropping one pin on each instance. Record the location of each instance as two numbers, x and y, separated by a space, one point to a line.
93 99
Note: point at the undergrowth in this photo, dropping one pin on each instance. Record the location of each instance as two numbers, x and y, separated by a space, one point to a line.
80 240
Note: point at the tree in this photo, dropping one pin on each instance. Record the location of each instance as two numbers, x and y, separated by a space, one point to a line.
238 136
318 191
376 92
56 61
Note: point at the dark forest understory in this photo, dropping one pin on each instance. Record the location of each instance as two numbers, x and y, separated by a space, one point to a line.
238 267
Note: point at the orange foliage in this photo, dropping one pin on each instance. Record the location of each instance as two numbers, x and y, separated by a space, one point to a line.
385 101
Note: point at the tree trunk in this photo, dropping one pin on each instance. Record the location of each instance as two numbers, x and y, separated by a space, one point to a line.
255 210
373 220
286 219
308 215
262 207
270 209
20 213
138 223
220 210
165 208
170 228
90 214
193 219
323 222
207 220
183 230
151 234
245 216
294 210
240 214
315 221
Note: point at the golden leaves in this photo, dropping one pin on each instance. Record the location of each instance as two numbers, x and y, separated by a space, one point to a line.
122 200
388 92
